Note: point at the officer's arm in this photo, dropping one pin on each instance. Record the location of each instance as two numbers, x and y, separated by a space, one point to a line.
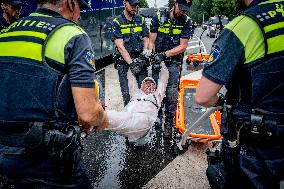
146 42
153 32
145 35
122 50
152 39
206 93
178 49
89 110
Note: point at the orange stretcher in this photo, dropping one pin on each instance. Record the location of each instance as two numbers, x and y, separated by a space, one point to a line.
197 58
192 121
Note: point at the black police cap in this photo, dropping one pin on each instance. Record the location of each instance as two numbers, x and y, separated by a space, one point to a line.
184 5
13 3
133 2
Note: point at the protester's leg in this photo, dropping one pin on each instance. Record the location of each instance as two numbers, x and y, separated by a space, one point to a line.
36 170
122 74
171 98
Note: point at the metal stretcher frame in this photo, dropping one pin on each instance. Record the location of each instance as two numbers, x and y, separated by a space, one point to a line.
215 117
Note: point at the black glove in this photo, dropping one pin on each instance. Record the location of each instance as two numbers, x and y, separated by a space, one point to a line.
159 57
143 60
156 66
135 66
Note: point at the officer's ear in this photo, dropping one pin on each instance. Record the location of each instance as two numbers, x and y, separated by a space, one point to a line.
2 6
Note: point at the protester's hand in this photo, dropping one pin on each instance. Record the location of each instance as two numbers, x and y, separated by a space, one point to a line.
156 66
135 66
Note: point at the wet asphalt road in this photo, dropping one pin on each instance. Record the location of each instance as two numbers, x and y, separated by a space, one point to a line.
112 163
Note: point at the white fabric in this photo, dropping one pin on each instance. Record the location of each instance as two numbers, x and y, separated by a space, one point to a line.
138 116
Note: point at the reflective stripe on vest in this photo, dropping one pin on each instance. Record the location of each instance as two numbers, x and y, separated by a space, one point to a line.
23 48
269 15
129 28
165 28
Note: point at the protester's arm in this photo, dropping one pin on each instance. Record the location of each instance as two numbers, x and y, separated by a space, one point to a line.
163 82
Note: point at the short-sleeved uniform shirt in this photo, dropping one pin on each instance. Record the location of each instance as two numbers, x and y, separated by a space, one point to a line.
228 51
167 41
132 32
77 55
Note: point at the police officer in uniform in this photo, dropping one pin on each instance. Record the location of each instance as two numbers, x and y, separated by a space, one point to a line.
130 36
11 12
169 35
251 66
47 83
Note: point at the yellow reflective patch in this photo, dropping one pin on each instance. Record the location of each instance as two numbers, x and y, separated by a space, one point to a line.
38 14
57 42
125 31
177 31
275 44
164 30
21 49
137 29
24 33
274 27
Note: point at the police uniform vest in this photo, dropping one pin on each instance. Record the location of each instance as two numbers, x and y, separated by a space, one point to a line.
262 80
132 33
169 31
34 87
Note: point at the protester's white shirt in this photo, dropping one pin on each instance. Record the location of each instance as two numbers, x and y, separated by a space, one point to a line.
138 116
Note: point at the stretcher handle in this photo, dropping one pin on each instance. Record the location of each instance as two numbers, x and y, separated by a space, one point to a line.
202 118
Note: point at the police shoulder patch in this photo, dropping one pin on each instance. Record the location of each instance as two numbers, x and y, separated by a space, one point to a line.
214 54
90 57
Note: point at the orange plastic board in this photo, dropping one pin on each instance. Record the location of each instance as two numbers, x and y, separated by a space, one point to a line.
186 114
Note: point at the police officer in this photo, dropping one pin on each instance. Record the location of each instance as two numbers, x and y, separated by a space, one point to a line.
47 83
169 35
251 66
130 35
11 12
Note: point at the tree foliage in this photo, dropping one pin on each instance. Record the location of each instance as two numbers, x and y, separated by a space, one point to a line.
209 8
170 3
144 4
